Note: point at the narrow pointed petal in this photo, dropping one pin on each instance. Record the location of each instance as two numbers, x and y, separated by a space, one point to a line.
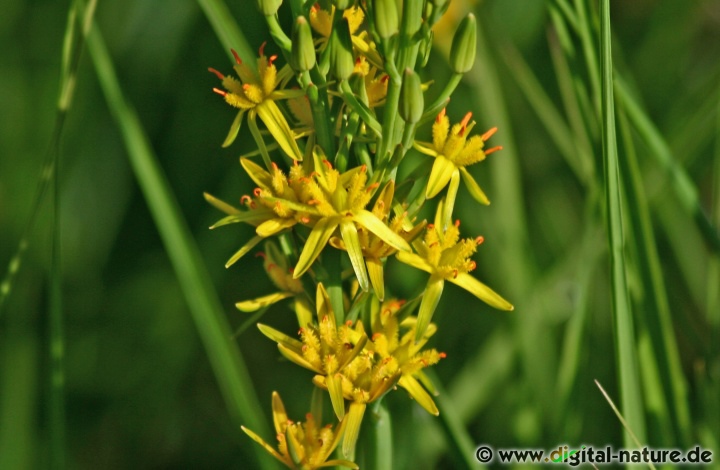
440 174
315 243
280 337
473 187
481 291
368 220
297 358
414 260
431 297
357 349
260 302
244 250
355 416
274 226
450 197
265 445
295 449
417 391
234 129
303 311
221 205
377 278
280 417
323 305
251 217
334 386
337 435
352 244
257 173
279 128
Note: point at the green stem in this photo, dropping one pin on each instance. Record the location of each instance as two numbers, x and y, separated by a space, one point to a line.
377 437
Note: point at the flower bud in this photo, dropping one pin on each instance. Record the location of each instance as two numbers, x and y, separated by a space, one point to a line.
386 17
342 4
269 7
302 57
411 97
462 52
341 57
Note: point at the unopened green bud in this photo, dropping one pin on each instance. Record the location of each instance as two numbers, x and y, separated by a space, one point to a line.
269 7
342 62
411 97
302 57
462 52
386 17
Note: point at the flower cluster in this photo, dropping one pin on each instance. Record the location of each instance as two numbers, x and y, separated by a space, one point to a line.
342 115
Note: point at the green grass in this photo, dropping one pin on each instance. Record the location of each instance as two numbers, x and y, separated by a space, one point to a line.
602 232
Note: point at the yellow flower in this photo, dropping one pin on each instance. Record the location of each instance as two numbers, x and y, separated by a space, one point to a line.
374 248
280 274
342 365
453 151
444 256
255 93
390 345
304 446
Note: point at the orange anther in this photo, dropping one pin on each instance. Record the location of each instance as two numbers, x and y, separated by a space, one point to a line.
375 336
479 239
440 116
257 192
237 57
473 265
488 134
442 355
219 75
272 59
494 149
220 92
457 223
245 199
327 164
262 48
261 254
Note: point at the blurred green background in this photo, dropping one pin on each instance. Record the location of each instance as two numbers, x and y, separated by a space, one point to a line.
140 391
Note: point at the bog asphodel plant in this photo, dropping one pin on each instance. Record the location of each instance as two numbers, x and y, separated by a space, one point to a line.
341 98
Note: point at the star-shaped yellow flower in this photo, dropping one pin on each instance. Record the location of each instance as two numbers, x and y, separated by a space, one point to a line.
453 152
443 255
255 93
302 446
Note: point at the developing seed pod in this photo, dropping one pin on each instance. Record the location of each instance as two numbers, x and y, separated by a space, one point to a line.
462 52
411 97
268 7
302 57
341 57
386 18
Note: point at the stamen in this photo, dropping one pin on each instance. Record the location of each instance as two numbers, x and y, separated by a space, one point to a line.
488 134
271 266
375 336
494 149
442 355
305 220
466 120
220 92
385 78
219 75
245 199
473 265
440 116
274 165
348 323
261 254
257 192
301 331
246 86
455 273
314 202
262 48
237 57
328 164
457 223
430 226
272 59
479 239
372 186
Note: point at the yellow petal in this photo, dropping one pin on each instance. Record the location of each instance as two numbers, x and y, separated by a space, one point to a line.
221 205
273 226
368 220
417 391
234 129
414 260
430 299
473 187
303 311
244 250
315 243
256 304
440 174
357 349
279 128
450 198
280 417
297 358
375 270
265 445
334 386
257 173
338 462
280 337
481 291
323 305
252 217
295 449
355 416
352 244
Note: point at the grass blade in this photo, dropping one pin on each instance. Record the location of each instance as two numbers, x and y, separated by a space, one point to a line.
626 357
227 30
212 326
